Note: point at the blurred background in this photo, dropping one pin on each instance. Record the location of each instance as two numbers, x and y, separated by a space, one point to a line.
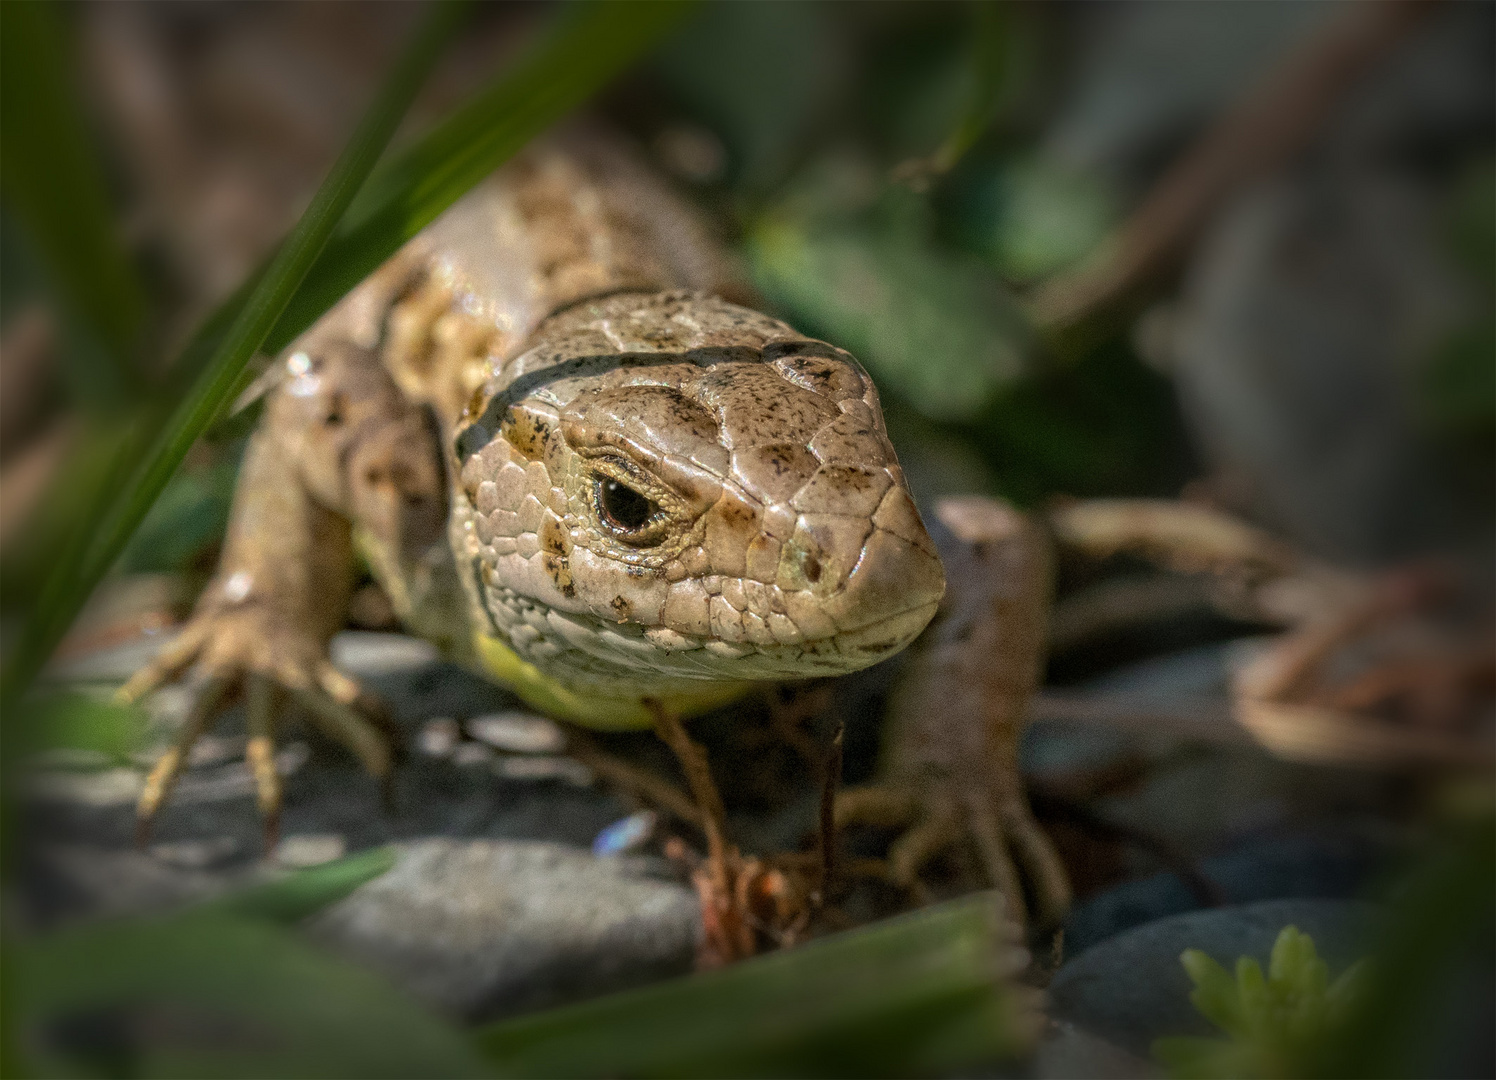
1236 257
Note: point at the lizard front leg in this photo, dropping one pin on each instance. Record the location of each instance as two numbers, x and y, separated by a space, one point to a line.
950 766
337 444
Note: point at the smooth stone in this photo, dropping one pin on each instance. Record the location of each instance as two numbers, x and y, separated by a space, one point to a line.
484 928
1326 866
1067 1052
518 732
310 850
1131 989
369 652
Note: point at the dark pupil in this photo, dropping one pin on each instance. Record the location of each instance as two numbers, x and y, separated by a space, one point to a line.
624 506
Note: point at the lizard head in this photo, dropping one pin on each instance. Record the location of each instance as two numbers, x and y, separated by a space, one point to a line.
669 488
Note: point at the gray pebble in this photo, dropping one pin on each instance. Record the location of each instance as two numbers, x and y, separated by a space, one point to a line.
482 928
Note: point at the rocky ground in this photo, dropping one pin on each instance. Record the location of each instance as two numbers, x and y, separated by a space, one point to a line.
499 902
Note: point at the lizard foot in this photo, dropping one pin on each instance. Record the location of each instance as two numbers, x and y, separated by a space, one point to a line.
998 829
244 653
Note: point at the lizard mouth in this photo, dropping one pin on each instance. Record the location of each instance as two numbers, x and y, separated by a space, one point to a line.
887 634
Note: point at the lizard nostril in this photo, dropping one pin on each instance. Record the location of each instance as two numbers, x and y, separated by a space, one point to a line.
812 569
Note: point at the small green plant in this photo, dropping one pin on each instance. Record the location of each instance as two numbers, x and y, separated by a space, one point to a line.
1275 1024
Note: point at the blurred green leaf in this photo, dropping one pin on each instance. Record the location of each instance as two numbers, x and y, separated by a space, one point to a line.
1471 219
1106 426
1044 218
1459 387
938 82
307 891
92 550
925 993
185 521
207 995
51 179
1277 1023
763 77
79 722
1426 1004
934 327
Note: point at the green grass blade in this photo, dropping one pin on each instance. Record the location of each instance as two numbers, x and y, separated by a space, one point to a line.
74 576
201 994
591 43
307 891
52 180
919 994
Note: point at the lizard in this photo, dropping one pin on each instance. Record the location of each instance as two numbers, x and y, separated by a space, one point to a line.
576 458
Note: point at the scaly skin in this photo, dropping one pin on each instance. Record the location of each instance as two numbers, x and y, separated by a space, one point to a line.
573 463
784 544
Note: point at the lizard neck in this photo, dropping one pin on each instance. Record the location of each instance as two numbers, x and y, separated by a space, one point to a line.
576 216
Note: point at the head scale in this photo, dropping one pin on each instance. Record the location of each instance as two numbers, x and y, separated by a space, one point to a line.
668 489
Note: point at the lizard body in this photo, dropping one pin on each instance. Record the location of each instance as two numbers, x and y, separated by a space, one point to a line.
572 461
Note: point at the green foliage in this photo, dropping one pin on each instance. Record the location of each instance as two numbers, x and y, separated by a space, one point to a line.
209 995
185 521
51 179
1274 1023
1031 216
763 77
78 722
917 995
1436 960
1459 389
934 327
223 989
226 989
307 891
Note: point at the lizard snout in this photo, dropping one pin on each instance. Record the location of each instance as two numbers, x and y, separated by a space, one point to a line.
891 585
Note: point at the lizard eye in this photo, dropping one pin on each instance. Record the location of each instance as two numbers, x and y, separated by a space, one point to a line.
622 508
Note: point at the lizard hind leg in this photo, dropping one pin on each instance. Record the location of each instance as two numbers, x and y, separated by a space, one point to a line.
958 709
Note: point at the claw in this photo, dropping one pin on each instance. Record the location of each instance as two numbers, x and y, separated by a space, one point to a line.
992 848
167 665
164 774
260 753
1046 870
1005 836
930 835
344 724
368 708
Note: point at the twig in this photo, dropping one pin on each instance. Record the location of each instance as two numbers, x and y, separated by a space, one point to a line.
830 781
1182 536
1275 120
636 781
